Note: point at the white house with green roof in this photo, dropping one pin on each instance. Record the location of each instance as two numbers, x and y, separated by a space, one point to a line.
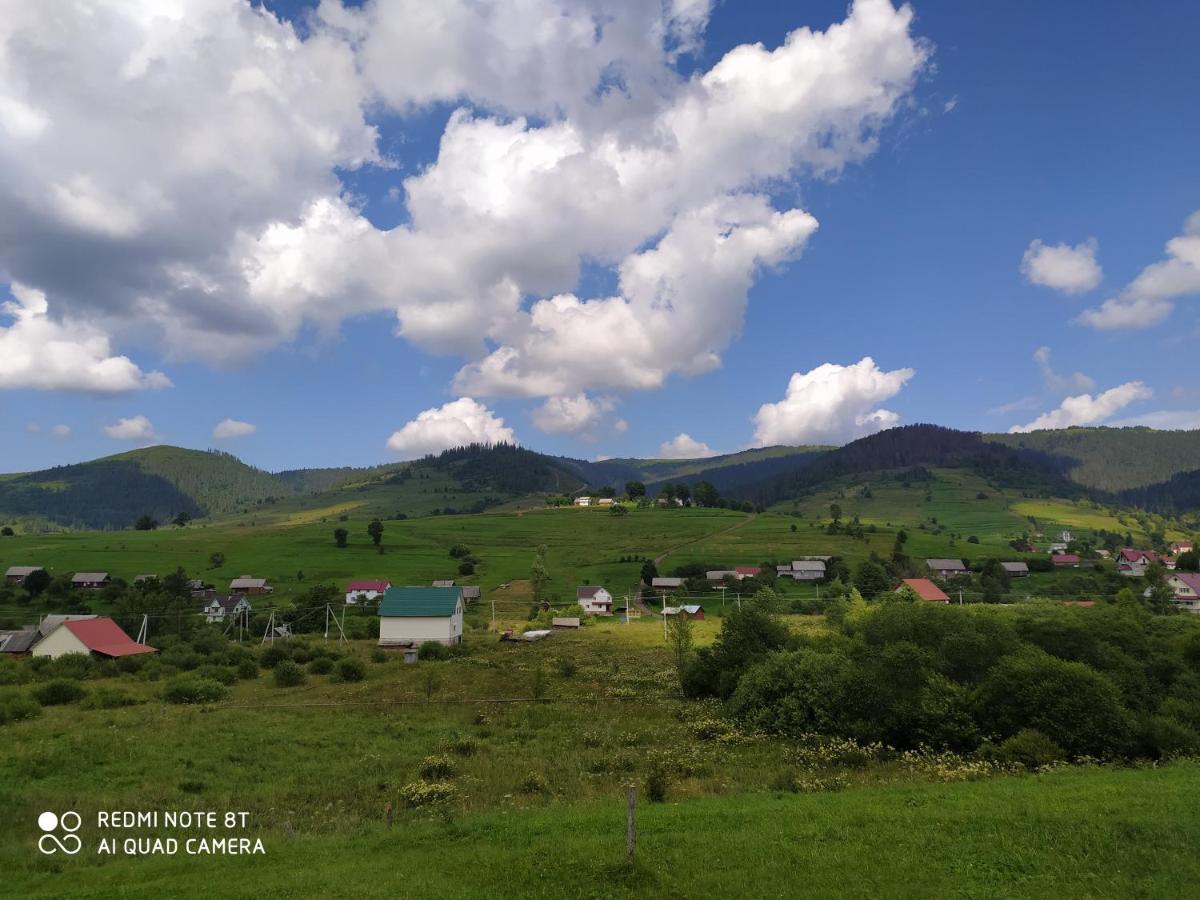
411 616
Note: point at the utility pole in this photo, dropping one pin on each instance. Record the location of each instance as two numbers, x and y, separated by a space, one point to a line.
493 612
141 638
722 598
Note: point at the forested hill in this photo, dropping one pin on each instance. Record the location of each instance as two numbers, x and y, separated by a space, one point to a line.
913 446
1113 459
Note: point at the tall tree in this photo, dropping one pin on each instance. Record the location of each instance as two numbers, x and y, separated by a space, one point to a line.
340 536
375 530
539 576
635 489
680 641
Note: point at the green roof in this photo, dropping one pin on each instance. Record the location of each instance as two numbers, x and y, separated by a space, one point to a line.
420 601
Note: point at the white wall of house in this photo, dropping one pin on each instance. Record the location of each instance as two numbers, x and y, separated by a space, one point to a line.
600 602
60 642
419 629
353 597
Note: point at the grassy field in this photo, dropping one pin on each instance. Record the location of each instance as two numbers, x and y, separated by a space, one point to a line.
538 808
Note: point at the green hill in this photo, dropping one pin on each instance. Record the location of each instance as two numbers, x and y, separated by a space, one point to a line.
1113 459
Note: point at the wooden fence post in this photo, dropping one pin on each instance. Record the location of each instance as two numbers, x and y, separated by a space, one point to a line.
629 825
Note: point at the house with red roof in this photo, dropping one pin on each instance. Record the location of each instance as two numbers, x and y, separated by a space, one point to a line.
100 636
363 590
1186 589
1065 560
741 572
925 589
1134 563
1178 547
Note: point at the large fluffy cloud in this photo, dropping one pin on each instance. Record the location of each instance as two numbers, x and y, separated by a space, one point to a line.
831 404
455 424
1086 409
1072 270
185 155
38 352
1150 297
578 414
684 446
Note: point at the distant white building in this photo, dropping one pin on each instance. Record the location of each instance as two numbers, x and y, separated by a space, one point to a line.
364 590
583 501
221 608
594 600
807 570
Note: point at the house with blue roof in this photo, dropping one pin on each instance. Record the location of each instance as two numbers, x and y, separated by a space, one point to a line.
411 616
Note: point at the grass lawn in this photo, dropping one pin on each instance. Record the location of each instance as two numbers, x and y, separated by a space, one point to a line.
1073 833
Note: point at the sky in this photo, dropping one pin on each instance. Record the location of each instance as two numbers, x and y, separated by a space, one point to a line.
349 233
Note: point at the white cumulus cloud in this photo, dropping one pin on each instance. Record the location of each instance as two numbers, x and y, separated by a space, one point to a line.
1150 297
38 352
135 428
455 424
578 414
232 428
684 446
1060 384
62 431
831 404
1086 409
1072 270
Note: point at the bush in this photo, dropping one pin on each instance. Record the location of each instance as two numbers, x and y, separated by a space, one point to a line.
1029 748
109 698
273 656
12 672
133 664
288 674
247 669
421 793
219 674
190 689
534 783
19 708
657 781
322 665
434 768
351 669
379 655
433 650
59 692
76 666
464 745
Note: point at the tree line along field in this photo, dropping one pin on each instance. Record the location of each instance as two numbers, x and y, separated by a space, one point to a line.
536 788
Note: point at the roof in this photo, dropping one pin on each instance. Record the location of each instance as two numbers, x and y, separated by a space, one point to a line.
51 622
19 641
565 621
1135 555
747 570
666 582
88 577
420 601
228 602
718 574
1015 566
587 591
366 585
21 571
692 608
941 564
444 582
808 565
1064 559
103 635
1191 579
926 589
247 581
472 592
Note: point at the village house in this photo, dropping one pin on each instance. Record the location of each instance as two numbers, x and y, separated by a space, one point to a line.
583 501
364 590
946 568
219 609
52 621
594 600
666 584
248 584
443 582
687 610
808 570
472 593
1015 569
720 574
1066 560
200 589
925 589
1178 547
1133 563
18 574
1186 589
743 572
99 636
90 580
411 616
605 501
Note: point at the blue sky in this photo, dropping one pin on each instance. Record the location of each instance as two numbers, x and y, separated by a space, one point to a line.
1062 123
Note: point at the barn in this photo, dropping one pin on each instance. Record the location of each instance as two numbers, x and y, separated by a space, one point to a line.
100 636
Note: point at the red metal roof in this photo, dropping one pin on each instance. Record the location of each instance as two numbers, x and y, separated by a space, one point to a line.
366 585
105 636
1135 555
926 590
747 570
1065 559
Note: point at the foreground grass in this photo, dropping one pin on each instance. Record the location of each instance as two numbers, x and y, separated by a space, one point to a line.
1070 833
